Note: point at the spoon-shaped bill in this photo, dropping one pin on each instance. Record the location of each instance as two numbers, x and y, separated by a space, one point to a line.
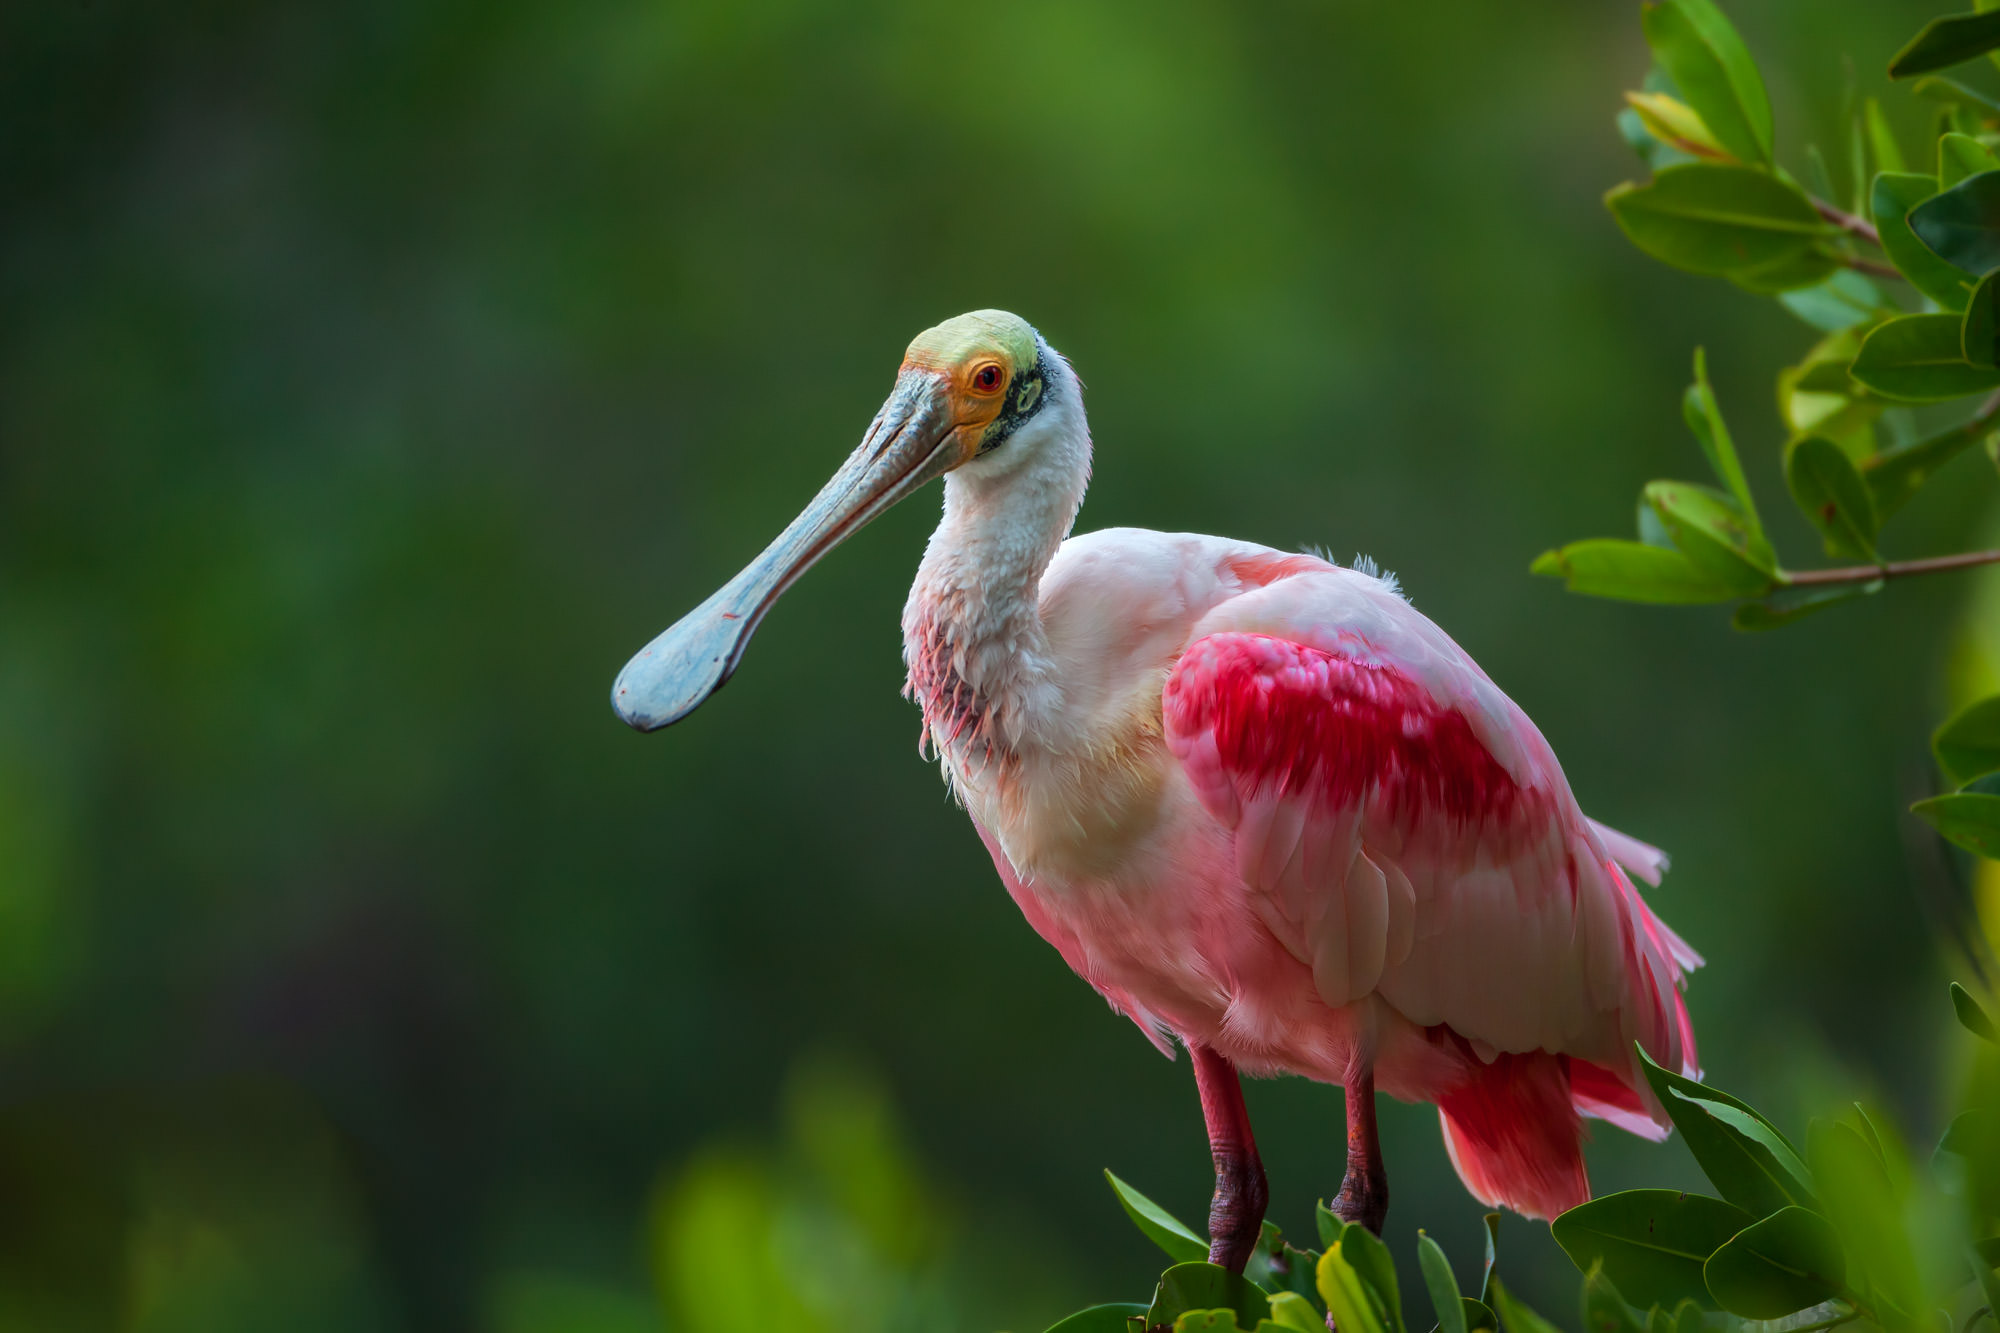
910 441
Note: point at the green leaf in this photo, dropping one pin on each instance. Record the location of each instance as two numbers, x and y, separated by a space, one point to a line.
1347 1296
1652 1243
1492 1254
1956 94
1961 225
1897 474
1631 572
1748 1160
1205 1286
1209 1321
1707 60
1989 1279
1655 152
1715 535
1979 334
1514 1316
1916 359
1704 418
1368 1256
1970 819
1841 302
1788 1261
1972 1015
1715 217
1787 605
1790 274
1098 1319
1858 1194
1478 1316
1161 1227
1881 139
1604 1310
1329 1225
1443 1287
1944 42
1967 746
1960 156
1819 397
1293 1313
1674 123
1276 1264
1894 195
1830 493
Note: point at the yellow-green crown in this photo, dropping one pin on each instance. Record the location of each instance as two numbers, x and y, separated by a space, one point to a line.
951 342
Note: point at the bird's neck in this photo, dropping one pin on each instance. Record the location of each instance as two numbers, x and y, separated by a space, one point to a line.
979 661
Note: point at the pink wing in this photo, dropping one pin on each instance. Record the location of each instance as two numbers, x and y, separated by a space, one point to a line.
1403 828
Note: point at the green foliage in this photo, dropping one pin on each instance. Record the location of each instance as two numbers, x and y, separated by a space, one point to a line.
1972 1015
1439 1281
1919 359
1961 224
1631 572
1787 1262
1160 1226
1843 1231
1720 218
1205 1287
1702 53
1652 1242
1967 744
1944 42
1970 818
1893 197
1753 1165
1831 494
1735 213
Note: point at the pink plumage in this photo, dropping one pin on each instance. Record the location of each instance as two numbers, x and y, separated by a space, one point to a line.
1375 860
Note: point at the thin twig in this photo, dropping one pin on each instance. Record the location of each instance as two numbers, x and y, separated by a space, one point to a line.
1891 569
1849 223
1873 267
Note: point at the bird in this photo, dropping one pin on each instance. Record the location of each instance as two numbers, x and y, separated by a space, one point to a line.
1270 811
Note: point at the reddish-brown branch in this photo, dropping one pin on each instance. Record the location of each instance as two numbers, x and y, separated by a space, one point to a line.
1854 226
1873 267
1893 569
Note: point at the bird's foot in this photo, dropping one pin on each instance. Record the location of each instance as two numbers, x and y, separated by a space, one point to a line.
1236 1216
1363 1198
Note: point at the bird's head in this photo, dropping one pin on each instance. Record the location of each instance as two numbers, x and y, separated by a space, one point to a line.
966 390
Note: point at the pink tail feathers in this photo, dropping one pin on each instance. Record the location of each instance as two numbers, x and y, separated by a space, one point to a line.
1515 1136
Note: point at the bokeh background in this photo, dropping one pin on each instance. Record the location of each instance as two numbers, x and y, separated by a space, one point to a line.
375 377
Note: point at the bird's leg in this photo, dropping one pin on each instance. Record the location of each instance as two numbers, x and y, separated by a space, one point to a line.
1236 1216
1364 1190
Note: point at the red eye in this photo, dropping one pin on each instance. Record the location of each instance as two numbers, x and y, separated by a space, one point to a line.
987 379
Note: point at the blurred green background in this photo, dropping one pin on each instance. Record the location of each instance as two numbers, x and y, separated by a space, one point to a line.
376 377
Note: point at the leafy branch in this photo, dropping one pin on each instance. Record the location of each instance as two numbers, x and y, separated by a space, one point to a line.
1788 1233
1718 204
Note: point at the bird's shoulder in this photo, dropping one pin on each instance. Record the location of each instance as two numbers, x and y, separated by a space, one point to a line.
1137 576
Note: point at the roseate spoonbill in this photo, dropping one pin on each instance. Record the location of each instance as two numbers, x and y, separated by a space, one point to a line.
1258 801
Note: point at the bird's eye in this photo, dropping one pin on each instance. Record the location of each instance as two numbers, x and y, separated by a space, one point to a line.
986 379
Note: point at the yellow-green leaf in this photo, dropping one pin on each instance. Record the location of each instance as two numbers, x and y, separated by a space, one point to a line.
1702 53
1631 572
